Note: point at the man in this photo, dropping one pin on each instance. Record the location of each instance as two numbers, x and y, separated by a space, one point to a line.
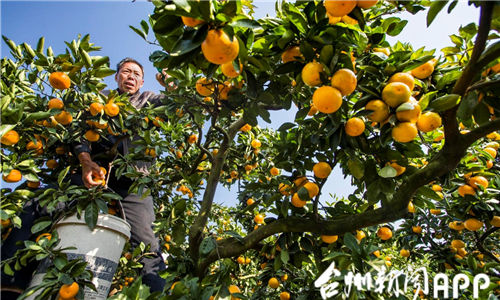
138 210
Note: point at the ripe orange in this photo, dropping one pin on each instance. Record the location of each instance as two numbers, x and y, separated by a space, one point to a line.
284 295
329 238
312 188
322 170
384 233
411 207
218 48
259 219
33 184
495 221
300 181
404 132
428 121
416 229
405 78
360 234
435 211
327 99
250 201
10 138
284 277
466 190
256 144
408 112
205 87
52 163
396 93
473 224
354 126
399 169
423 71
437 188
246 128
489 164
191 22
37 145
274 171
478 180
229 70
404 253
150 152
92 135
297 202
241 260
44 235
234 289
380 110
59 80
310 73
458 244
56 103
291 54
64 117
339 8
192 139
376 253
333 20
366 3
284 189
273 283
345 81
68 291
96 108
111 109
13 176
456 225
312 110
491 151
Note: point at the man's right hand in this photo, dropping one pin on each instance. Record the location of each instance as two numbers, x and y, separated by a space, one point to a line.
90 170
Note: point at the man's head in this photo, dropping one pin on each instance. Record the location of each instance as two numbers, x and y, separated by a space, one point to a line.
129 75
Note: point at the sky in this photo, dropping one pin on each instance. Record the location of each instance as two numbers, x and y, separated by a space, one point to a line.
108 22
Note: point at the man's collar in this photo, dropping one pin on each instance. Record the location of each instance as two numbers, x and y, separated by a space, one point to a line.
136 93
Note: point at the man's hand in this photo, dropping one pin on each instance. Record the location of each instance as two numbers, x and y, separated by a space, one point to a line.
90 170
161 77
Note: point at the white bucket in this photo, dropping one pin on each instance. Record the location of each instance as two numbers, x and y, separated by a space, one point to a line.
100 248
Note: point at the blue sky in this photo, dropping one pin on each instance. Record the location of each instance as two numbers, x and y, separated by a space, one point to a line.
108 22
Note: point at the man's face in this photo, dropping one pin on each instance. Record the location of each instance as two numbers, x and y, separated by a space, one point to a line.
129 78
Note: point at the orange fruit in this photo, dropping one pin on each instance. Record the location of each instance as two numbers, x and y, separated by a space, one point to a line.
37 145
224 89
56 103
284 189
192 139
399 169
13 176
92 135
339 8
489 164
478 180
60 150
333 20
33 184
495 221
345 81
405 78
428 121
404 253
376 253
411 207
218 47
68 291
322 170
380 110
310 73
300 181
284 277
491 151
354 126
205 87
250 201
234 289
274 171
423 71
366 3
59 80
312 189
241 260
349 20
360 234
284 295
435 211
96 108
408 112
45 235
256 144
456 225
327 99
329 238
297 202
404 132
52 163
191 22
273 283
416 229
384 233
291 54
466 190
150 152
312 110
111 109
437 188
396 93
473 224
64 117
229 70
246 128
10 138
458 244
259 219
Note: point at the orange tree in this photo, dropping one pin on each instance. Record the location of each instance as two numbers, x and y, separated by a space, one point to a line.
414 130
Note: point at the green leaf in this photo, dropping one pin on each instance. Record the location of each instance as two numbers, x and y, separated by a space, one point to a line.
445 102
207 245
104 72
286 126
139 32
387 172
91 214
435 8
62 175
4 128
41 225
183 4
356 168
285 257
425 99
351 242
145 26
40 44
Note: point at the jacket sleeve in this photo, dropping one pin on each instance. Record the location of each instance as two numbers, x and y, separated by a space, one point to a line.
83 146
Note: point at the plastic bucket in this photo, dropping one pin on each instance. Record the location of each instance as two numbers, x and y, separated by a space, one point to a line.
100 248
